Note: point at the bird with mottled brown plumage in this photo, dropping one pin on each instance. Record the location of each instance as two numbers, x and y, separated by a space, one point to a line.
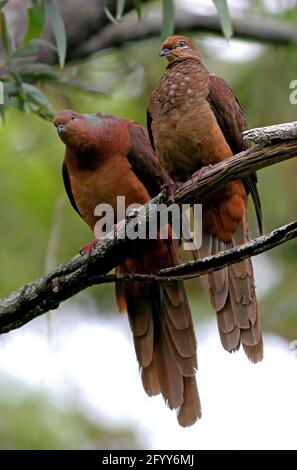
195 120
108 157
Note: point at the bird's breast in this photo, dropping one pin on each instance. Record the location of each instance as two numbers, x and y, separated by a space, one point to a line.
103 184
186 133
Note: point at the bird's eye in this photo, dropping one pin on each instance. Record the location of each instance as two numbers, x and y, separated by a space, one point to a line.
182 44
73 118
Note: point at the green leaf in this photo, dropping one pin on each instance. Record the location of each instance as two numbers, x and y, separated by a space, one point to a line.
36 20
32 48
38 72
12 96
120 9
4 33
57 24
24 51
225 19
138 8
168 18
44 43
37 102
110 15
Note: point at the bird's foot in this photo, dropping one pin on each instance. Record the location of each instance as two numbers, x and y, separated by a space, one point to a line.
201 171
88 248
171 189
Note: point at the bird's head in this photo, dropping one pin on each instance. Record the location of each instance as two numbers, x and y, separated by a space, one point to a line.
76 130
178 47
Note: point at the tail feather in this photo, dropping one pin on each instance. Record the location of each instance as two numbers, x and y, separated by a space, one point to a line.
164 338
183 340
170 378
150 379
188 415
232 294
185 365
254 353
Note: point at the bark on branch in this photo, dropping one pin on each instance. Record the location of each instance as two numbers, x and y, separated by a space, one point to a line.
209 264
269 134
250 28
49 291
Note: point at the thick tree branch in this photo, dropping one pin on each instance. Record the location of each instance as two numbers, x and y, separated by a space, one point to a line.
82 20
269 134
89 30
187 22
49 291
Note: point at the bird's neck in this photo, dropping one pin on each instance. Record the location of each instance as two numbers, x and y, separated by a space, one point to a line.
82 159
181 62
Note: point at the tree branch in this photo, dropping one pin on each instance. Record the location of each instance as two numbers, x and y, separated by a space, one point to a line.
207 265
49 291
251 28
233 255
89 30
269 134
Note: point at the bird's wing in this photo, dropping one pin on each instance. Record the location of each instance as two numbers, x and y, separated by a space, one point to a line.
230 118
67 185
144 161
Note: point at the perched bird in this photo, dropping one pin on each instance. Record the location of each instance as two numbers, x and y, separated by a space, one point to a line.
194 120
108 157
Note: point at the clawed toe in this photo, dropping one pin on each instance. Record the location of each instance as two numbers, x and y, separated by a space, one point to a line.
199 173
171 189
88 248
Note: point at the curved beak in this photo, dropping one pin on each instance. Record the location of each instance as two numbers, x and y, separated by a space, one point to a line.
165 52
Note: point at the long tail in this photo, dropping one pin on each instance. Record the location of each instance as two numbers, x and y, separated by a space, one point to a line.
163 332
232 294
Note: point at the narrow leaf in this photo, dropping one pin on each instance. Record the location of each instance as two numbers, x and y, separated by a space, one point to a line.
168 18
110 15
44 43
4 34
57 24
120 9
24 51
32 48
12 96
138 8
225 19
38 72
37 101
36 20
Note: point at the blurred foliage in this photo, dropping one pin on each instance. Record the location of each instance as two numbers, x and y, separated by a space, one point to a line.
19 74
31 191
23 76
225 19
30 420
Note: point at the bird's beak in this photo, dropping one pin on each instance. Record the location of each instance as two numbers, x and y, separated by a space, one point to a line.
60 128
165 52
